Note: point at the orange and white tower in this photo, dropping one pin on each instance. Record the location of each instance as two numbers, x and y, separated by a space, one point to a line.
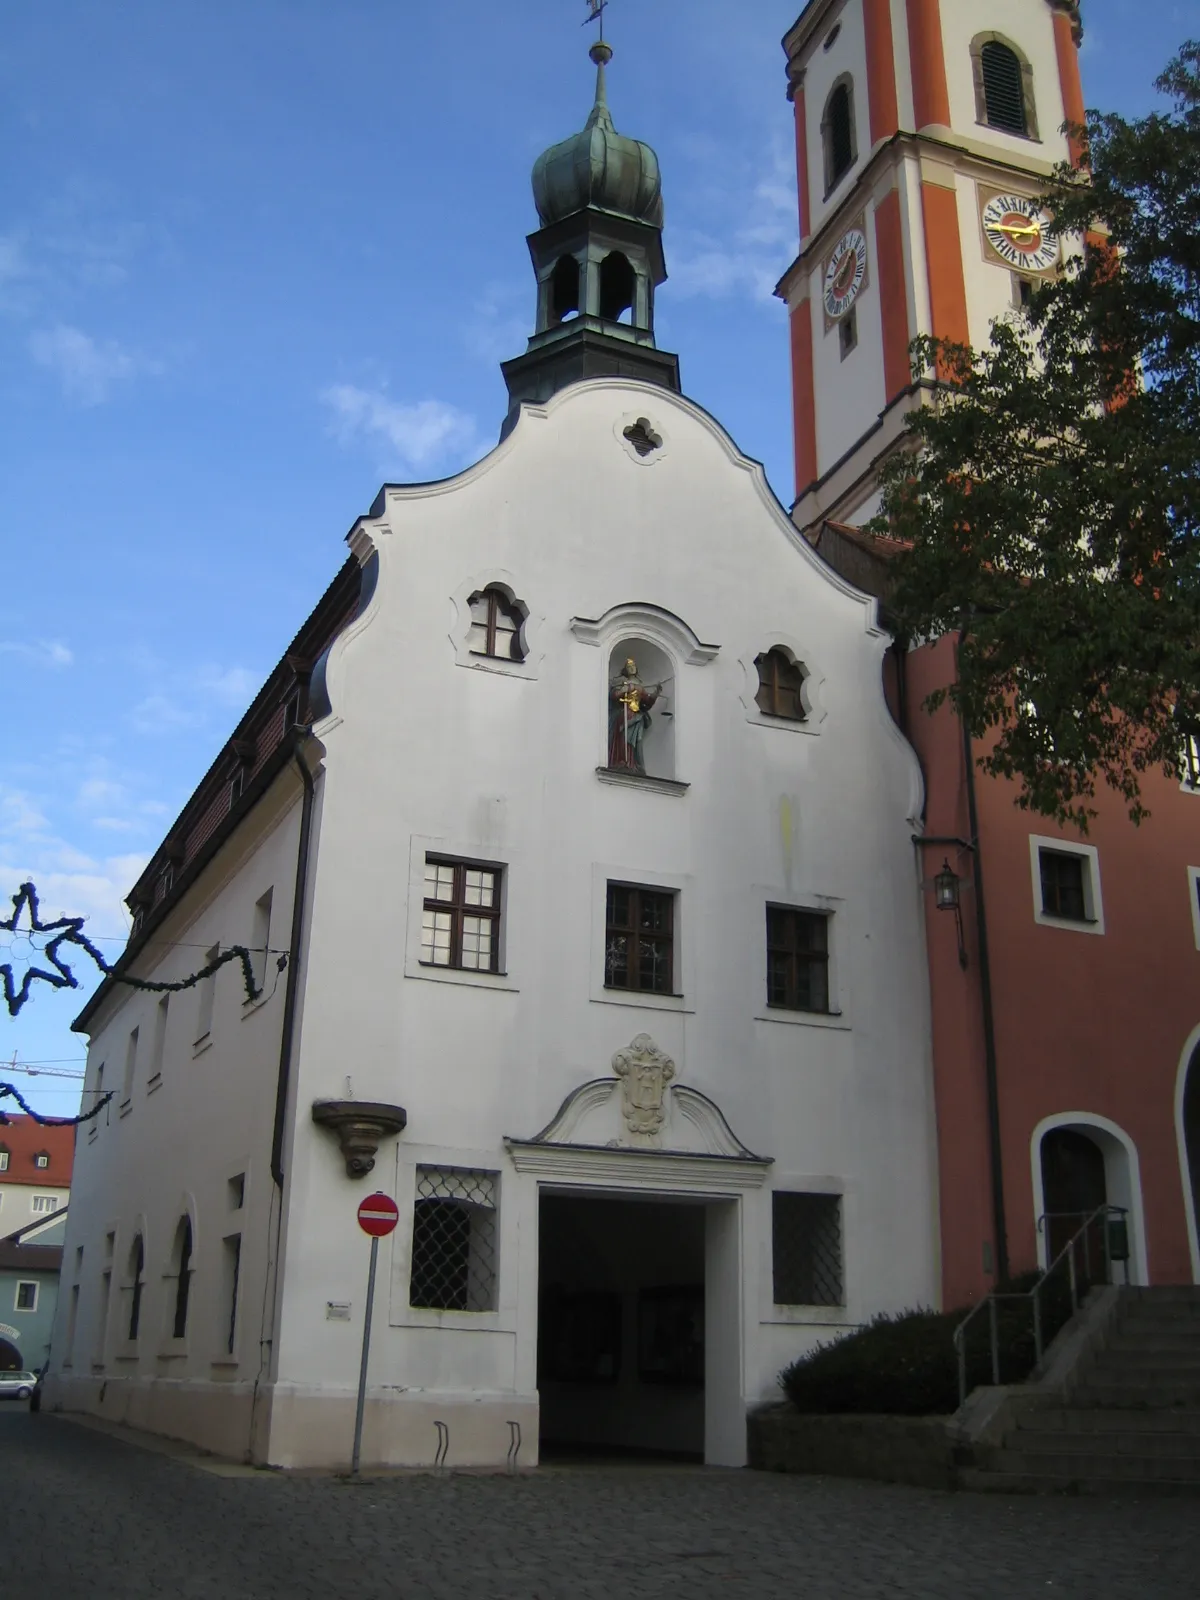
925 129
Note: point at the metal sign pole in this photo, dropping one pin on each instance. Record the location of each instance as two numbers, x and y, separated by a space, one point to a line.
362 1371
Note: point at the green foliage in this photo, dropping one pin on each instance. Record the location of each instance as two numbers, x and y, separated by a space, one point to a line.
906 1365
1052 500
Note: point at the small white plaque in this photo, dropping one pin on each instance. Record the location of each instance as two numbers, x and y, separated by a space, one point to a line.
337 1311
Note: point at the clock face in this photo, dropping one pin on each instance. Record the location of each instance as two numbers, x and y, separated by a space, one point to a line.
1020 232
846 272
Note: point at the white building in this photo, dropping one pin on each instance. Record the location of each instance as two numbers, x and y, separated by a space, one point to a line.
661 1036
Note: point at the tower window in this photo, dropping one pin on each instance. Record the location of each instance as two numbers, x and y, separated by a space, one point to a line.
1002 82
564 289
848 332
617 284
837 133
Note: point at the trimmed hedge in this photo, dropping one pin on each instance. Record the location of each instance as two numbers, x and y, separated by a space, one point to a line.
906 1365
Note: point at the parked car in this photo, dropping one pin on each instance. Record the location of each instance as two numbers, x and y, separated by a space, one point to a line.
17 1385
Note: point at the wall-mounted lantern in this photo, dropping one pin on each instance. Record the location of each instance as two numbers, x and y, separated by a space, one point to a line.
946 898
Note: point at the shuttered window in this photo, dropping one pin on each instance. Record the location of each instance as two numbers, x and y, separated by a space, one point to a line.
1003 88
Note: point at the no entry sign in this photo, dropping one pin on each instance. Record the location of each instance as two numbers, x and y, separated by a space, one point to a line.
378 1215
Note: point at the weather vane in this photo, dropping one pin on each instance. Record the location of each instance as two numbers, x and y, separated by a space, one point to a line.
596 10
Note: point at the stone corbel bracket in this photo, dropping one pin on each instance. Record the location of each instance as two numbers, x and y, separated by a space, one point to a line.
361 1127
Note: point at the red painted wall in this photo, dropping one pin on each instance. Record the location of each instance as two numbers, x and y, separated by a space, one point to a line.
1083 1023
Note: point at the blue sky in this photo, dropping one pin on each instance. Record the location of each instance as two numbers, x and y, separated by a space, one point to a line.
255 258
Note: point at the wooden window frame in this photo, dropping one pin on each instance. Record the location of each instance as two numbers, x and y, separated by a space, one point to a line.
1055 910
797 955
497 601
458 908
632 931
772 686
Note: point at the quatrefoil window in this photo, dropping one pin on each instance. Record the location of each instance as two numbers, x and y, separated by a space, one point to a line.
643 437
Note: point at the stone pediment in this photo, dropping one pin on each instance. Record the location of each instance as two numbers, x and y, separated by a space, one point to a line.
642 1107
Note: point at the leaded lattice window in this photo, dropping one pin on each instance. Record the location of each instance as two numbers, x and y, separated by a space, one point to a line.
639 939
460 925
454 1242
797 959
806 1249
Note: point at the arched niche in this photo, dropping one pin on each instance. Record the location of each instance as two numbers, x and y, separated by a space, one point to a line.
618 287
564 290
640 726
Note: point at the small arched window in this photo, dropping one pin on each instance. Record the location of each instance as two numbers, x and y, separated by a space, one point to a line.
137 1265
780 685
564 289
617 286
496 622
837 133
183 1280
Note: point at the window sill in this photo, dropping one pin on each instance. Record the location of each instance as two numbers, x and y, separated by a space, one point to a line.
203 1043
1091 925
641 780
154 1083
93 1133
249 1007
173 1350
645 1002
1008 133
430 1317
808 1316
125 1108
225 1364
461 975
803 1019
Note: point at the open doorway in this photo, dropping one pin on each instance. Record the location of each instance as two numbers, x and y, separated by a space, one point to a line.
621 1326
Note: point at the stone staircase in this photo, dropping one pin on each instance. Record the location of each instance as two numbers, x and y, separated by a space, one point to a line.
1127 1417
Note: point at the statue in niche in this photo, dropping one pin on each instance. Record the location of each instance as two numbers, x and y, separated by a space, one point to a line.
629 702
644 1071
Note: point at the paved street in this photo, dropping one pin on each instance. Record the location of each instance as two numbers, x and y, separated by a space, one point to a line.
89 1517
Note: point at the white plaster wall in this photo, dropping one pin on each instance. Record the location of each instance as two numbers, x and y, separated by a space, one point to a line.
422 751
174 1149
851 392
824 67
1028 24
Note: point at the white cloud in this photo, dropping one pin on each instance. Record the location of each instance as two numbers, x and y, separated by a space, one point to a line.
753 242
158 713
87 368
236 686
420 436
45 652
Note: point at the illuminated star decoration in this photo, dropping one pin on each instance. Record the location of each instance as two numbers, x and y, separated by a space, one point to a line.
65 931
69 930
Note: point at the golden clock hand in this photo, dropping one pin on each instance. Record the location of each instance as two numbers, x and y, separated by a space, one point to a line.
1031 229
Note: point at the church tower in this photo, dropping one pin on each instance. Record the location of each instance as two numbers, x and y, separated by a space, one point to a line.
597 257
924 130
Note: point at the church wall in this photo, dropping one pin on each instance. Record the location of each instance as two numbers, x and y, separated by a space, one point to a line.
847 56
171 1151
1029 26
481 763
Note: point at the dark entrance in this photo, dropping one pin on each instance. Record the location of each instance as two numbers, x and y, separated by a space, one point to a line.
621 1327
1073 1186
10 1357
1191 1130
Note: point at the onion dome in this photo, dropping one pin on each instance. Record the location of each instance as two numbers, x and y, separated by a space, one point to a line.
598 167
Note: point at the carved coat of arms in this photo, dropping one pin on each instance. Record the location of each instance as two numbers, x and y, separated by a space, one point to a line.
644 1071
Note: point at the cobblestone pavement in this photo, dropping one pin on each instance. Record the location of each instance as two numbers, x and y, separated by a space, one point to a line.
89 1517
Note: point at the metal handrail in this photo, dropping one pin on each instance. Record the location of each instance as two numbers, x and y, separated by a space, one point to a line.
991 1302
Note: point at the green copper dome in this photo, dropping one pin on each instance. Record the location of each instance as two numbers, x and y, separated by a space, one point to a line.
598 167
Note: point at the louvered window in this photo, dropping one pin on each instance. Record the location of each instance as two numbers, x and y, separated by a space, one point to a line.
1003 88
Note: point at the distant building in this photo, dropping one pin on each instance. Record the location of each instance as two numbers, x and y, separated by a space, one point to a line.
35 1171
597 862
1067 1035
30 1263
